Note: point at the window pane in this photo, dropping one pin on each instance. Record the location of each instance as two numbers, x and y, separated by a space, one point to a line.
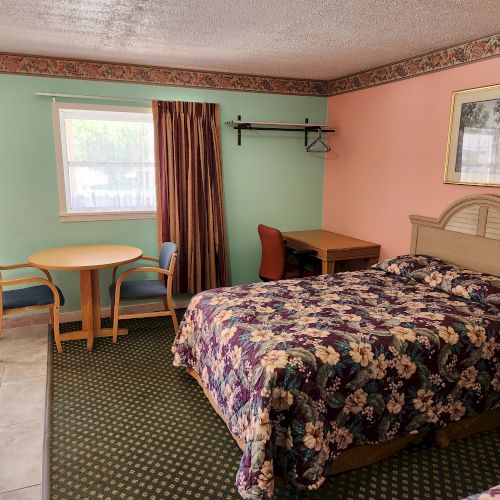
100 140
108 160
109 188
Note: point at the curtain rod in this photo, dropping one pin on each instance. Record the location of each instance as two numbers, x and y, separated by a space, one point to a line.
93 97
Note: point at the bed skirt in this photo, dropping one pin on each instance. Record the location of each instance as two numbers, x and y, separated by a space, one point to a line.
367 454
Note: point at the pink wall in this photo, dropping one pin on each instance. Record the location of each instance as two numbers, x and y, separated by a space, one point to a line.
389 153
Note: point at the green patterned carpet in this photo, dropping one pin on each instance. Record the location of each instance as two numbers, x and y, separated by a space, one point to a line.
126 424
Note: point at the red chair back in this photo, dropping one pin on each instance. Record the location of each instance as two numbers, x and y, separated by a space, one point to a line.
273 261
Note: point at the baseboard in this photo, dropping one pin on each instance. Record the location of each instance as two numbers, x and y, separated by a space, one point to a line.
180 302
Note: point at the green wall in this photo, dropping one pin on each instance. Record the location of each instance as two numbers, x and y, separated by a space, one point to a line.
270 178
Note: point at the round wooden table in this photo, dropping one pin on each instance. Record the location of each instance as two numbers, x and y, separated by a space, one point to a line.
87 259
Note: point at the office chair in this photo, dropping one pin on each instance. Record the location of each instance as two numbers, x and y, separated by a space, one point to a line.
277 259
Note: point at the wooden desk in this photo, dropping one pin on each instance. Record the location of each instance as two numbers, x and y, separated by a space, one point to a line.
333 247
87 259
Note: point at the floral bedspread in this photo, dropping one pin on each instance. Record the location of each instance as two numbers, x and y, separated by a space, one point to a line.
491 494
305 369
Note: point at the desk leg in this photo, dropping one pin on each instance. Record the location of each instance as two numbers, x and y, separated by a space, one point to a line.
327 266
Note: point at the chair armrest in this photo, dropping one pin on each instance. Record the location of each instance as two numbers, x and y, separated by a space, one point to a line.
15 266
144 257
158 270
128 272
34 279
26 265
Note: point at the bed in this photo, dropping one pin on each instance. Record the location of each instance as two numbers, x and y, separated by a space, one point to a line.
334 372
491 494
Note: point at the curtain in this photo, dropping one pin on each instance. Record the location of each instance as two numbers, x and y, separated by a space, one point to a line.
189 192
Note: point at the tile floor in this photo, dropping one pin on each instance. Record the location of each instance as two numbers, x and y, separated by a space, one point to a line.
23 373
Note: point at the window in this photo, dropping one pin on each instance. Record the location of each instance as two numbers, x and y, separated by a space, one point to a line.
105 157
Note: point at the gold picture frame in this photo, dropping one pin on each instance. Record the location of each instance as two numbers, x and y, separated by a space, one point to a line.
473 151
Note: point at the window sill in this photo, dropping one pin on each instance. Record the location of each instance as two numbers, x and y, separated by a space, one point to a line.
90 216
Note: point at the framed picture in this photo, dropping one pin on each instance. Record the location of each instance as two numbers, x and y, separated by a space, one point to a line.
473 155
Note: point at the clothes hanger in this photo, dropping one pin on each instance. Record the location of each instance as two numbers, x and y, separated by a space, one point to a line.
326 147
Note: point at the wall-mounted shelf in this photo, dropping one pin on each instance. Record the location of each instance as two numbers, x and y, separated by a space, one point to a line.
305 127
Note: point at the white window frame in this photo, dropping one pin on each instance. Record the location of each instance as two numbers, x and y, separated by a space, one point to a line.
62 180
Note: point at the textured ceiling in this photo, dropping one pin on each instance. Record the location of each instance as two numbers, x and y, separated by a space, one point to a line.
316 39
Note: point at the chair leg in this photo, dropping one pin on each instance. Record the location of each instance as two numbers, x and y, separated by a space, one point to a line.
174 321
170 307
114 315
1 324
54 316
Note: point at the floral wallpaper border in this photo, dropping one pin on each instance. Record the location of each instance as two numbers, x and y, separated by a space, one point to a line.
433 61
155 75
131 73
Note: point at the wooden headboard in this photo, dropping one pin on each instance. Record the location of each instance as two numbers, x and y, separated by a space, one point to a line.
466 234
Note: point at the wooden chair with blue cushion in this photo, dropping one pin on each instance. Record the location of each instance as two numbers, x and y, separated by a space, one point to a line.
44 295
121 289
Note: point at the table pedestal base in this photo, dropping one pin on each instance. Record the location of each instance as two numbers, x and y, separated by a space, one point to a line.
80 334
91 311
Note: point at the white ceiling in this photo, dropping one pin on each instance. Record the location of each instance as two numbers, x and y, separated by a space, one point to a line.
317 39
